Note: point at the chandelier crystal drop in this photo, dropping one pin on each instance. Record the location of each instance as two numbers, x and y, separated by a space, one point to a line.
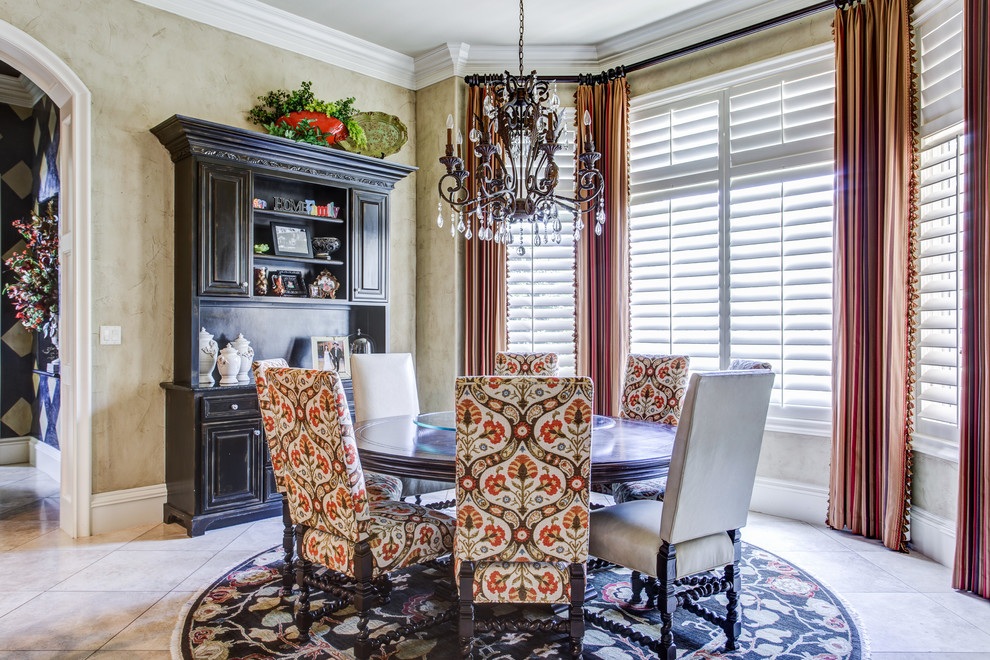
515 138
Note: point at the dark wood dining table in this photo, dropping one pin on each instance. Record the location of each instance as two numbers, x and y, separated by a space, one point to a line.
422 447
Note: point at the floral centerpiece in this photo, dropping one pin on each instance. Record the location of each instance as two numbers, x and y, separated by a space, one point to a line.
34 292
299 115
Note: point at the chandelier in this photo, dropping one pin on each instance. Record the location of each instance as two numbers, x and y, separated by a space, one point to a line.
515 138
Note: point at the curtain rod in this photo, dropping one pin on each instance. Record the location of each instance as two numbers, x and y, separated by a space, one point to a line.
620 71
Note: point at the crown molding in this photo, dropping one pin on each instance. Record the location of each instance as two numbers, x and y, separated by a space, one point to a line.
691 27
441 63
282 29
19 91
261 22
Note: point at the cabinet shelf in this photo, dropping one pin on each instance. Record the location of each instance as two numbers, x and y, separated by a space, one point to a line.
297 216
300 260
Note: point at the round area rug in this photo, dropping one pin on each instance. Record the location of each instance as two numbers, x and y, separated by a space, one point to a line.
786 614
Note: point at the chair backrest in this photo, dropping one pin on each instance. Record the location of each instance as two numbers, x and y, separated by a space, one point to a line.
384 385
716 450
525 364
324 482
523 468
653 388
267 419
739 365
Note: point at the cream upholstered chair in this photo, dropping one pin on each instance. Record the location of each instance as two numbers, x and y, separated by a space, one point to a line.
695 530
525 364
385 386
653 390
523 470
380 486
337 527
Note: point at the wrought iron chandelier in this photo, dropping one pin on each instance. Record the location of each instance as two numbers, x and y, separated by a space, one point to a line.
515 138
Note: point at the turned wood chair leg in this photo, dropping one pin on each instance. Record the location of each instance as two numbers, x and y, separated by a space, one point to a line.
578 580
465 620
733 618
304 618
667 601
364 599
288 531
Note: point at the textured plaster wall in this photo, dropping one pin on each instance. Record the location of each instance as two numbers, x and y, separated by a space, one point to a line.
440 269
935 486
143 65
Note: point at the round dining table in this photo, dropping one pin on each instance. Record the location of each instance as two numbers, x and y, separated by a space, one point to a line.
422 447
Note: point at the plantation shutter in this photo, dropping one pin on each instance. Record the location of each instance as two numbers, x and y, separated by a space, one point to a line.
674 230
780 179
541 308
938 29
731 226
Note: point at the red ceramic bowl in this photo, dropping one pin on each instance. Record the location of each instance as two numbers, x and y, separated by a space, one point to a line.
331 126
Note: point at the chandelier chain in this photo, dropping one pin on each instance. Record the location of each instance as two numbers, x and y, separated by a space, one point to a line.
521 37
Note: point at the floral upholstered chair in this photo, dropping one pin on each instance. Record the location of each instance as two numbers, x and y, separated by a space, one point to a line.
653 391
741 365
689 543
525 364
336 525
523 469
380 486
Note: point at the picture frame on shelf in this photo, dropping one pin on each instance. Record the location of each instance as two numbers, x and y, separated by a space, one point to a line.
287 283
332 353
291 240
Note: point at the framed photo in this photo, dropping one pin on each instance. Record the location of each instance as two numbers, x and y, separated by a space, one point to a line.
291 241
287 283
332 353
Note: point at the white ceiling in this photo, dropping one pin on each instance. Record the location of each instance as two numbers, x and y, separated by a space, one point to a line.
415 27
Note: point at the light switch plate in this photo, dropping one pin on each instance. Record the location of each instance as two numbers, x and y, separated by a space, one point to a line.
109 334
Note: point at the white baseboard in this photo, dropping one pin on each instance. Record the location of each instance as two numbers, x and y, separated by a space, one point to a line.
790 499
15 450
47 459
933 536
131 507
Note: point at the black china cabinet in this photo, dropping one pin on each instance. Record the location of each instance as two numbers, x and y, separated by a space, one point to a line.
235 189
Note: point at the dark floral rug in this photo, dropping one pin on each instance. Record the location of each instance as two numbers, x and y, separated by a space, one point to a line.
786 614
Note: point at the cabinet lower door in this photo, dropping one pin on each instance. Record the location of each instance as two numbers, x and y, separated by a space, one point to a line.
232 465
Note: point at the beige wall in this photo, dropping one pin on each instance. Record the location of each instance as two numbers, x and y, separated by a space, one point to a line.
439 257
143 65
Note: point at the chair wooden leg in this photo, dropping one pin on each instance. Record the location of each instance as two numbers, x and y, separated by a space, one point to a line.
288 531
637 584
578 580
364 599
465 620
733 618
667 601
304 618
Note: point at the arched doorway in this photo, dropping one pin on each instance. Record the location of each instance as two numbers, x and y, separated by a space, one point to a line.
58 81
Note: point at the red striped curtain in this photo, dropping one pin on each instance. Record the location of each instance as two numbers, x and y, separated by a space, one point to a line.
875 278
485 301
972 565
603 261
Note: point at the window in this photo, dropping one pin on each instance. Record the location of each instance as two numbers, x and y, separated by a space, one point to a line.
731 225
541 281
938 33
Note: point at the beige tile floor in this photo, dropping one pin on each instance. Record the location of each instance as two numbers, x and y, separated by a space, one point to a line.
117 596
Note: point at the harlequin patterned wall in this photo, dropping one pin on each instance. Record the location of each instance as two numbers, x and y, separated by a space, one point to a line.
28 154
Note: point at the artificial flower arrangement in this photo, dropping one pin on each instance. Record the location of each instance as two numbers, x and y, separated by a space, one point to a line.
34 293
300 116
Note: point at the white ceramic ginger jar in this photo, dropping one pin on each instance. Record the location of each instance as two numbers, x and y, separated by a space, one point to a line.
208 351
243 348
229 364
